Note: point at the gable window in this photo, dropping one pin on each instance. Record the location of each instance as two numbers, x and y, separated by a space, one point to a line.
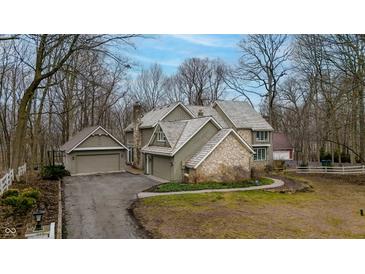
161 136
260 154
262 136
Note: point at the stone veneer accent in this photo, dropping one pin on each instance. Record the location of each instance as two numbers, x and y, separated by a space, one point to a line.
246 135
230 161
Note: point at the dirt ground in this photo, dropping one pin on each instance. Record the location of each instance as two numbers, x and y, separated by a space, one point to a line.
331 209
48 201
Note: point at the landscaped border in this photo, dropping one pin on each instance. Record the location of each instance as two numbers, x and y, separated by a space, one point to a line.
277 183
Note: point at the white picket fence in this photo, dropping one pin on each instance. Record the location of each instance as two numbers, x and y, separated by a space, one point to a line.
8 178
332 170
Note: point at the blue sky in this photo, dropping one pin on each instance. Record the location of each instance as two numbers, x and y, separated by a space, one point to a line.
171 50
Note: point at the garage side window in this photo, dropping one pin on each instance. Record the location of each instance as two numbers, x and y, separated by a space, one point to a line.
260 154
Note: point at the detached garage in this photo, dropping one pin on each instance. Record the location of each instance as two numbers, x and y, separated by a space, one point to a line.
94 150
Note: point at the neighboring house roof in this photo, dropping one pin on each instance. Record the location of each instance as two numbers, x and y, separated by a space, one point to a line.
242 115
212 144
151 118
208 111
82 135
178 133
281 141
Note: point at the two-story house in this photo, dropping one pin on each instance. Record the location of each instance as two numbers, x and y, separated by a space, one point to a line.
196 143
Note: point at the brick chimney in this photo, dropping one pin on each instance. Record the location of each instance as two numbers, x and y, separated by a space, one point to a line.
137 136
200 113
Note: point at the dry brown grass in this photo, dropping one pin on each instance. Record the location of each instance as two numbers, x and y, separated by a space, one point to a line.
331 211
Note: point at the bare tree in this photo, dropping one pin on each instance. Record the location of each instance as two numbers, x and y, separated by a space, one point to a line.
49 55
149 87
201 80
262 65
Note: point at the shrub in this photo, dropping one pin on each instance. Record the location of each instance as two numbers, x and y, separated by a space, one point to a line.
54 172
280 164
21 201
25 203
11 201
10 192
268 168
31 193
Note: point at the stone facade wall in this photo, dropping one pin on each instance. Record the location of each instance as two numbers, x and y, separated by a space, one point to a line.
246 135
229 162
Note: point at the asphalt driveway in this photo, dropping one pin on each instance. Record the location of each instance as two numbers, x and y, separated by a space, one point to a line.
96 205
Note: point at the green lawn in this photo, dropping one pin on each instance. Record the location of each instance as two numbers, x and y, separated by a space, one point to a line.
330 211
170 187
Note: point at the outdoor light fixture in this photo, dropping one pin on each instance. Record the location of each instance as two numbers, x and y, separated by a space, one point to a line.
361 212
38 216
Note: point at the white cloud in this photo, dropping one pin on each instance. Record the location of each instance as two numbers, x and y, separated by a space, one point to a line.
144 59
204 40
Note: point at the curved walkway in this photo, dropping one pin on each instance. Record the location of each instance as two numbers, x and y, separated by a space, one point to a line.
276 183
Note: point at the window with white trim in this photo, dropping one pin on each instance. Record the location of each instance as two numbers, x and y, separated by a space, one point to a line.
262 136
161 136
260 154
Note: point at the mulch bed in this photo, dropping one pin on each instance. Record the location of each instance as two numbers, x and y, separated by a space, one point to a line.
48 201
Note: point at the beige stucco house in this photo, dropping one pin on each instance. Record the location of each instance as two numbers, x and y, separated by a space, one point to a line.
94 150
198 143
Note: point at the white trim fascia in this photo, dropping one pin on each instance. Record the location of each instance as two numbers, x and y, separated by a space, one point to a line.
98 148
153 134
262 129
261 145
91 133
146 151
115 139
83 140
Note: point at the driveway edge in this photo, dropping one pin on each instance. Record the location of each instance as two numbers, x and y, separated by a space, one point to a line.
275 184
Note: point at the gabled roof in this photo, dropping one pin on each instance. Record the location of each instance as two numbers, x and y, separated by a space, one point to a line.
242 115
280 141
208 111
178 134
212 144
151 118
81 136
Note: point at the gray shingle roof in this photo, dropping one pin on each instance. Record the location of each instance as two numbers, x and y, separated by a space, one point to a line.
77 138
207 148
180 133
151 118
243 115
208 111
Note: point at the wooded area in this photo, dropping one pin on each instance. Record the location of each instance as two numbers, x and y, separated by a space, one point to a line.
51 86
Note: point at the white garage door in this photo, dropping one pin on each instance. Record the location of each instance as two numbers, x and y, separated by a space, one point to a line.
97 163
281 155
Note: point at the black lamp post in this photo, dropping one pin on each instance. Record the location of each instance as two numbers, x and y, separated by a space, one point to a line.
38 216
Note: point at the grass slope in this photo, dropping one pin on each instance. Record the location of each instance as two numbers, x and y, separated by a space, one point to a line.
331 211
